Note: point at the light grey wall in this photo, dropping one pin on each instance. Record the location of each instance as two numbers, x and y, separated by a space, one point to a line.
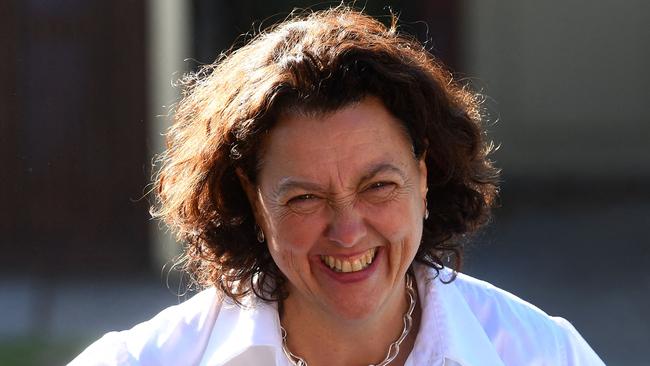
568 81
169 44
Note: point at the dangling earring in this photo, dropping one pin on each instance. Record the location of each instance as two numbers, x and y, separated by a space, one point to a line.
259 233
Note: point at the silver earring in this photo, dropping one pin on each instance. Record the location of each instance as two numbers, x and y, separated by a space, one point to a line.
259 233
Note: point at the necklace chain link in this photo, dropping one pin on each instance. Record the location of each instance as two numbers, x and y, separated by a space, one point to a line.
393 349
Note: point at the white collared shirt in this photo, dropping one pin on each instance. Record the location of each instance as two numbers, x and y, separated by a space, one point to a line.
467 322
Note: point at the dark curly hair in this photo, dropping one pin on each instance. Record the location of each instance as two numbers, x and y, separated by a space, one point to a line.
317 61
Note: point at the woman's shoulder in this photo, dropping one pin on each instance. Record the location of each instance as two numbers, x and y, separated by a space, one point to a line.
177 335
488 300
517 330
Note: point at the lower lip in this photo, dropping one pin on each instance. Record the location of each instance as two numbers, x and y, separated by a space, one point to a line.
350 277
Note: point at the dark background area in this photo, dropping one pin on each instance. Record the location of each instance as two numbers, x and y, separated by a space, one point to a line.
73 137
76 140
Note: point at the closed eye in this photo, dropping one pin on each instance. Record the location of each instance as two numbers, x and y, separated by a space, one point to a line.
380 186
304 203
379 192
302 197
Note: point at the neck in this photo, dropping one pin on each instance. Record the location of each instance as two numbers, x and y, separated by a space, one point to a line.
321 339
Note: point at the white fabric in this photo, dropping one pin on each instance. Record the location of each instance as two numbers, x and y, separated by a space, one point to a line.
464 323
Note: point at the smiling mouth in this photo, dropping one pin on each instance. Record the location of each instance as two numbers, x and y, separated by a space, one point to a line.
354 264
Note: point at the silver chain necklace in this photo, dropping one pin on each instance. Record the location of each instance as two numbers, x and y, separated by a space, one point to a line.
393 349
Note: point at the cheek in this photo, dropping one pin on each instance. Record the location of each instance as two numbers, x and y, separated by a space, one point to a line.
398 221
293 236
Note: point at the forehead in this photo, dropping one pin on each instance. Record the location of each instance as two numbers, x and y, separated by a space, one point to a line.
358 113
349 139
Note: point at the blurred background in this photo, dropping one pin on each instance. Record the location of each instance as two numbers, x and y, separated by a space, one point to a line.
85 89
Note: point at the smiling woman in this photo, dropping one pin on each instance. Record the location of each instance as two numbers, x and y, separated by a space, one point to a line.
322 177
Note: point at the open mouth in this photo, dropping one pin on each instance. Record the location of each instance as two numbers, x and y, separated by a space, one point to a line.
353 264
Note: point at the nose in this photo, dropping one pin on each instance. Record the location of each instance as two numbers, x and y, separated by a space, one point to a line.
346 227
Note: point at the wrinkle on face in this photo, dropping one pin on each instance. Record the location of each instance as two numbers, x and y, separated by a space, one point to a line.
339 185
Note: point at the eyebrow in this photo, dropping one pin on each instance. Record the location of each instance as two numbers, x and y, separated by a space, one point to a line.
381 168
288 183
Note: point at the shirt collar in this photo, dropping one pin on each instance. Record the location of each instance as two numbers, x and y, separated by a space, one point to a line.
243 333
447 320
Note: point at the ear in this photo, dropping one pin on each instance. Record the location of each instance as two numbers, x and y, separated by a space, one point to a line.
253 199
422 169
249 188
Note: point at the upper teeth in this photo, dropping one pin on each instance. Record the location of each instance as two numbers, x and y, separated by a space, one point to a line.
350 264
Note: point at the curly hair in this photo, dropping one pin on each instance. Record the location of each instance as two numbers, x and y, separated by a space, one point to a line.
317 61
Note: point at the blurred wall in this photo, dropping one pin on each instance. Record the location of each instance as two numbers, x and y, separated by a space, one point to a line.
72 137
568 83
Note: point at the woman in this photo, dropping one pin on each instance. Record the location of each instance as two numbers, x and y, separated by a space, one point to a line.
323 177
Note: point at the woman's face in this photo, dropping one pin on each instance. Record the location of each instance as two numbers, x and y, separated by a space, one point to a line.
340 199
